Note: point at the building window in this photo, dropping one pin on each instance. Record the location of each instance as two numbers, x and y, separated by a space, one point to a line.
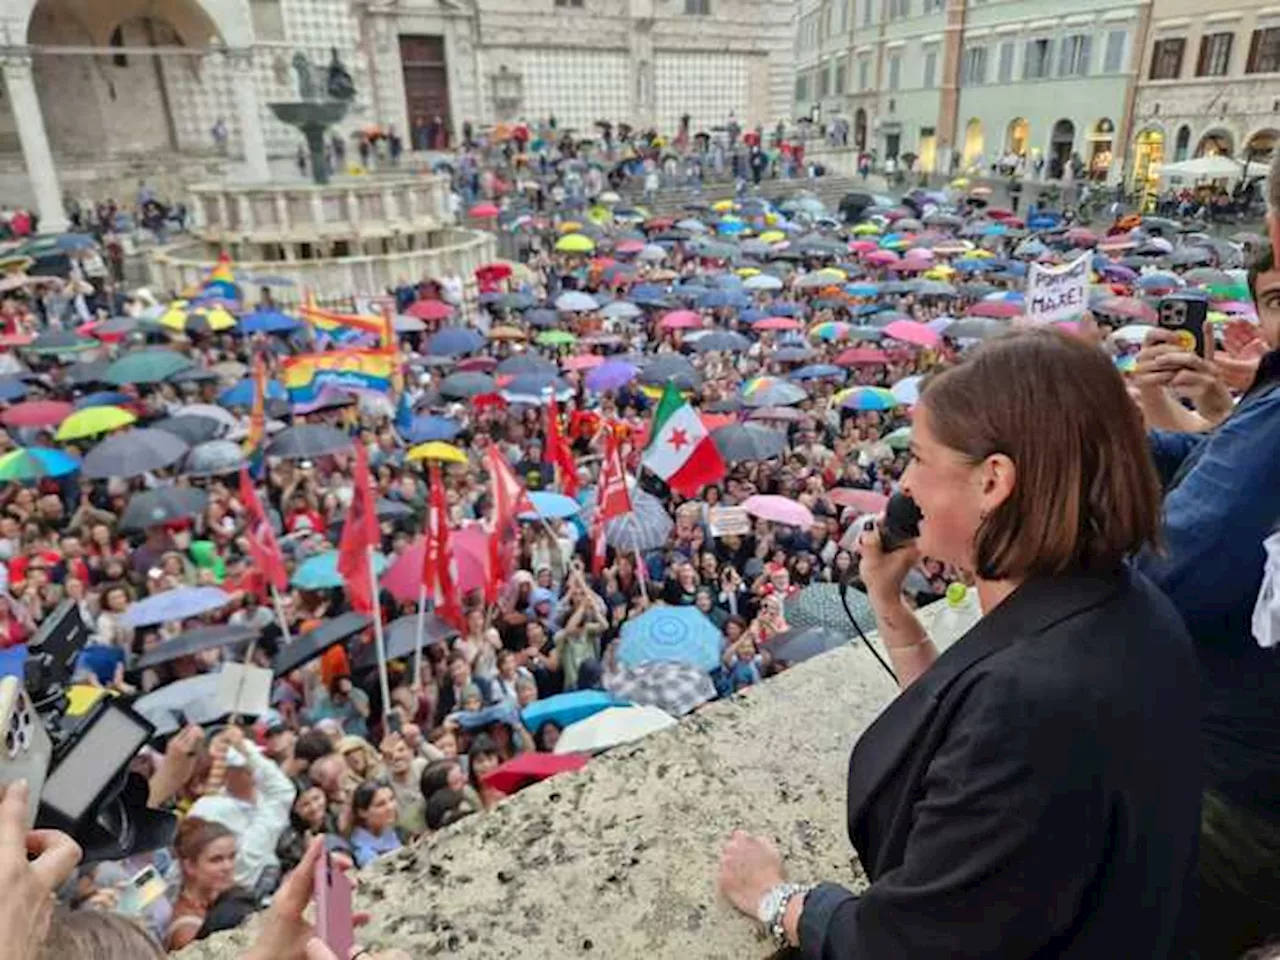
1113 56
933 6
1039 57
842 75
1181 144
866 12
899 9
1005 67
864 73
268 23
1073 56
845 15
802 89
1166 58
930 69
574 3
974 71
1215 55
895 71
1264 51
694 8
824 80
826 21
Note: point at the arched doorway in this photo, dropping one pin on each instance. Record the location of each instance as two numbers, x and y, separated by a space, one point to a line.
1215 143
1148 155
1100 149
1016 136
860 129
1260 146
973 144
1062 142
1181 143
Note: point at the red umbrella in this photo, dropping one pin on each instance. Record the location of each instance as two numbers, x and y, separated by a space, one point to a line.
681 320
998 309
404 577
864 501
36 413
492 272
586 361
863 246
483 210
429 310
861 356
629 246
526 768
659 223
908 331
477 364
778 323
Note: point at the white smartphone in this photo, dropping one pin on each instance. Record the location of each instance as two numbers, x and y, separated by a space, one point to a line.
27 748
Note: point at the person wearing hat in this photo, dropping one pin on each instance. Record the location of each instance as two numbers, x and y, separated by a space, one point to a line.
254 804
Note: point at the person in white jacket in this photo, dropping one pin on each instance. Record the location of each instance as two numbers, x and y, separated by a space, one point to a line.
254 803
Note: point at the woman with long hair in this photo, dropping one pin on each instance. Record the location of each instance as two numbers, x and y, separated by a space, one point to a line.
1033 791
206 853
373 822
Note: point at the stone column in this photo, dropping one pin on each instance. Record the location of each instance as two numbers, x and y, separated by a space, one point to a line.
20 84
253 140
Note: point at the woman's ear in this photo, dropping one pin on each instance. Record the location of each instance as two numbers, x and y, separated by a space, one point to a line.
998 478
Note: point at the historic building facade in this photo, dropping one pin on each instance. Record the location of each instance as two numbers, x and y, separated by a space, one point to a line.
92 81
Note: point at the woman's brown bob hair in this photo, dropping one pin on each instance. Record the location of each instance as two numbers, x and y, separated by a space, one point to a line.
1086 493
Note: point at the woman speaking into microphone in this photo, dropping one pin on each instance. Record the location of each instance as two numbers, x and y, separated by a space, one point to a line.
1034 790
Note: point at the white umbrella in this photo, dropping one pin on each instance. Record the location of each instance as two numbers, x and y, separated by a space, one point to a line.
763 281
612 726
621 310
1133 333
907 390
1209 167
575 301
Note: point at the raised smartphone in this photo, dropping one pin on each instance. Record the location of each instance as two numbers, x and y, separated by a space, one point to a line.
27 748
334 922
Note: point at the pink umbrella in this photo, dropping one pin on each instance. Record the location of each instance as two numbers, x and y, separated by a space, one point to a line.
680 320
588 361
919 253
778 509
864 501
863 246
861 356
910 265
881 258
629 246
778 323
908 331
404 576
483 210
997 309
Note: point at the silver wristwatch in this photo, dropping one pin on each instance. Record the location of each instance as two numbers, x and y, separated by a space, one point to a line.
773 908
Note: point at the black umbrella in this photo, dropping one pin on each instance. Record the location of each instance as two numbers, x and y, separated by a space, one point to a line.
195 375
464 386
803 643
85 372
215 458
307 441
197 641
194 430
729 404
312 644
675 369
401 638
742 442
133 453
523 363
163 505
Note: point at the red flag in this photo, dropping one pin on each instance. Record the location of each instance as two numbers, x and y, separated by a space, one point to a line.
437 557
558 452
612 498
359 535
264 549
510 499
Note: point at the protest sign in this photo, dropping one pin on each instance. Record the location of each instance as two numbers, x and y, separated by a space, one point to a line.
726 521
1057 293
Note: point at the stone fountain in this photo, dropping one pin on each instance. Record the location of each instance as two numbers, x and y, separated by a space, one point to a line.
319 108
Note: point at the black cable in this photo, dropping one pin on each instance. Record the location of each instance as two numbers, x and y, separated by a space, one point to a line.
844 601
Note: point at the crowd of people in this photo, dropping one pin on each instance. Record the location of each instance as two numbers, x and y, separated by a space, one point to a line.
796 345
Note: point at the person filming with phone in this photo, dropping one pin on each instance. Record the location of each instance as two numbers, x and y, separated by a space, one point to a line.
1034 790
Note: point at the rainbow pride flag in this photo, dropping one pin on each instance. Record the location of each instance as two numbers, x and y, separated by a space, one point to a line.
307 374
219 284
343 326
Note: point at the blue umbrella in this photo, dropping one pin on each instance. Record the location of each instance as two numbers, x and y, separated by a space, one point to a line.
817 371
33 463
566 708
12 389
173 605
432 427
241 395
786 310
679 634
534 386
267 321
542 318
862 289
550 506
321 571
454 341
104 398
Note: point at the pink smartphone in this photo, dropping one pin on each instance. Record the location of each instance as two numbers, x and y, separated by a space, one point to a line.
333 908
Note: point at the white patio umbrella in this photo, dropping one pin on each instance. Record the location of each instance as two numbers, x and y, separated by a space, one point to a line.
612 726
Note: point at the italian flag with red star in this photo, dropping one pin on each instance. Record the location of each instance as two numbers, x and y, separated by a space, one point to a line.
680 449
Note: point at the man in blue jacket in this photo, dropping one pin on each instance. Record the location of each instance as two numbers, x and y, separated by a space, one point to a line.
1222 501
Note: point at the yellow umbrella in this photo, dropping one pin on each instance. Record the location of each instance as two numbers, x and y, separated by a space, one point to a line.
771 218
747 271
437 450
570 226
600 215
82 696
960 182
832 275
941 272
506 333
864 229
575 243
720 206
94 420
773 236
981 254
182 316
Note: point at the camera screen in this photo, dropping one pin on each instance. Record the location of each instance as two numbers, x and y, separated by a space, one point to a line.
92 763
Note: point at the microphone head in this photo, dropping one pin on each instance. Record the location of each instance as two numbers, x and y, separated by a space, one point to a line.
901 523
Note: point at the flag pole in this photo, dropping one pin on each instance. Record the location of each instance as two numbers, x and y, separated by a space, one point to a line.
378 640
280 618
418 635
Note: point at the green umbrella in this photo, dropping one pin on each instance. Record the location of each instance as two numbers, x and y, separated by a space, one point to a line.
146 366
54 342
36 462
555 338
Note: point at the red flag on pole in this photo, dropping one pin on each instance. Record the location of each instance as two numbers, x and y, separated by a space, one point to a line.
359 536
437 556
558 452
510 499
264 549
612 497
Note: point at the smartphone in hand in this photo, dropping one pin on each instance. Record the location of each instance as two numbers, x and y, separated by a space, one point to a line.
333 895
26 750
1186 317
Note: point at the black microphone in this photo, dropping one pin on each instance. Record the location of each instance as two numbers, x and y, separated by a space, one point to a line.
901 523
